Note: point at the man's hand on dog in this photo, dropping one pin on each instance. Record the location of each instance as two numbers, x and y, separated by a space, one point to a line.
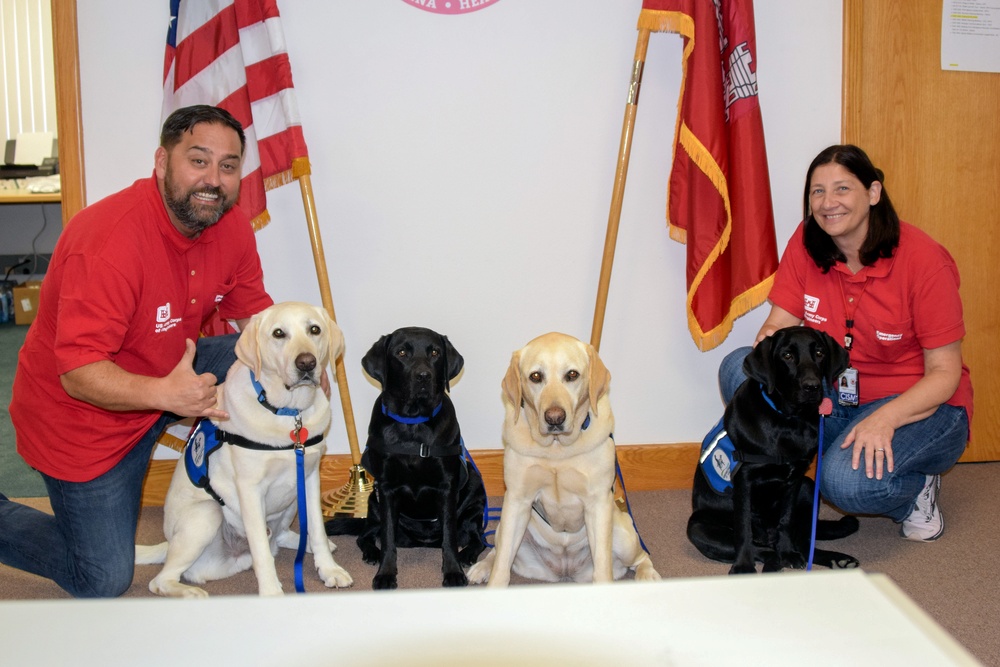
188 394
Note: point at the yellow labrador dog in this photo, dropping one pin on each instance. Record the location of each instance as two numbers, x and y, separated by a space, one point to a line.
242 507
559 519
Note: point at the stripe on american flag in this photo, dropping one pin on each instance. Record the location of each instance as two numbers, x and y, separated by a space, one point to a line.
231 54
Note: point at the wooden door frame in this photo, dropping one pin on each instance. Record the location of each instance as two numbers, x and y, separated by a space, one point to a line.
852 63
69 120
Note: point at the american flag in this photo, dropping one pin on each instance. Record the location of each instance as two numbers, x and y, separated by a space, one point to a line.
231 54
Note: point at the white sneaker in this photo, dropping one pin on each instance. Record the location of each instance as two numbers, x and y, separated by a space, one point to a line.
925 523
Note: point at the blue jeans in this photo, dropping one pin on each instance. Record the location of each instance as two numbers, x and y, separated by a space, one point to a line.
927 447
87 545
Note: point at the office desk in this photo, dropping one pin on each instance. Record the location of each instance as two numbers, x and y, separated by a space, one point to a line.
19 196
817 618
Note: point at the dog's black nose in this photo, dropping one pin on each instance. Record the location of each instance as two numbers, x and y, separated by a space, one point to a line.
812 389
305 362
555 417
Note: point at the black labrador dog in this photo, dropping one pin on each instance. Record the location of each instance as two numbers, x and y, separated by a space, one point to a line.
772 422
425 492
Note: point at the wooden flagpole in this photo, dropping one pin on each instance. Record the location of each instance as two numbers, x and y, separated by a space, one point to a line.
352 499
618 192
615 215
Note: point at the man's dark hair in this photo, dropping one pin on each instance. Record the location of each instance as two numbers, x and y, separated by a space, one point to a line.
883 222
184 119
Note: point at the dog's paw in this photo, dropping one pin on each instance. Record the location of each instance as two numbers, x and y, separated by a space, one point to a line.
845 563
335 577
372 556
479 573
646 572
792 560
384 582
743 568
470 554
175 589
454 579
269 588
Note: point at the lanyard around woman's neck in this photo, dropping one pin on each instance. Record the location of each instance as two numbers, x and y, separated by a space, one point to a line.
850 308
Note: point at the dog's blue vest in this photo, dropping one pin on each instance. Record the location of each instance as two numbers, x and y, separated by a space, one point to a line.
718 459
200 445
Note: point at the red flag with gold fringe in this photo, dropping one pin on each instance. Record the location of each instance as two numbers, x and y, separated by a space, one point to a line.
719 195
231 54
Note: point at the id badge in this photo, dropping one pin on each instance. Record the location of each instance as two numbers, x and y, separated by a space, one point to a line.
847 387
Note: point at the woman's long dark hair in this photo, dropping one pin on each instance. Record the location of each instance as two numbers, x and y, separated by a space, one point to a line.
883 222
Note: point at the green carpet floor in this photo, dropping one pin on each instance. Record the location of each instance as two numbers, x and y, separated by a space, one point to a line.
17 479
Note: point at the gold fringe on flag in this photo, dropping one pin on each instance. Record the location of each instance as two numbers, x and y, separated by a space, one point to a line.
683 24
300 167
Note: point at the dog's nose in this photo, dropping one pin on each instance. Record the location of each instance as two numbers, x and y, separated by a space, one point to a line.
812 388
305 362
423 375
555 417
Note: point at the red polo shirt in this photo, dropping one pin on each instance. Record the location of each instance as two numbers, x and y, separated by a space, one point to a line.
901 306
124 286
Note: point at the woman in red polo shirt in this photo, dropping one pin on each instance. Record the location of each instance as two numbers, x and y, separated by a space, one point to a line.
902 409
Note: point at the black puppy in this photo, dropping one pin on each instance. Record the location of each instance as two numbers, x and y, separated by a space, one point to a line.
772 423
425 492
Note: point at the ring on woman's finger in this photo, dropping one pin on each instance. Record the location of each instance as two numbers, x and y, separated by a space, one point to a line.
879 450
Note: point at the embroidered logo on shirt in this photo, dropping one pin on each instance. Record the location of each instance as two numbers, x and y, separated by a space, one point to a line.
163 320
811 304
881 335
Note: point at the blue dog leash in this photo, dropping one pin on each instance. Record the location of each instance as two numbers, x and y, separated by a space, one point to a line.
628 507
300 476
300 483
825 408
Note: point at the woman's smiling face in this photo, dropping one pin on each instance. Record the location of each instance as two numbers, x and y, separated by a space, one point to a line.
840 203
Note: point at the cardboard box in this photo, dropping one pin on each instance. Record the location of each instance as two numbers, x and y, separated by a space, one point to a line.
26 301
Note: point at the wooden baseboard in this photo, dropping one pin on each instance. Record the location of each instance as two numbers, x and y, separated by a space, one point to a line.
644 468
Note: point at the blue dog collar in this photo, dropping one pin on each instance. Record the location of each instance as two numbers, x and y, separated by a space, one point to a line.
262 399
768 400
411 420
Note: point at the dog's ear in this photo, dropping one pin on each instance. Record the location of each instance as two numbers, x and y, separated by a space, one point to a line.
600 377
248 345
374 360
453 361
334 335
512 384
837 359
757 364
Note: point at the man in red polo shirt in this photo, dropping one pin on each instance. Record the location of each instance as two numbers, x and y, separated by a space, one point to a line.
111 357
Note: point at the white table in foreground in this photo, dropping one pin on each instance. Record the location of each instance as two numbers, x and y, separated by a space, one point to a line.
818 618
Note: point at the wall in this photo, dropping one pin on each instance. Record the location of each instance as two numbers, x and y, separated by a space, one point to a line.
462 171
28 230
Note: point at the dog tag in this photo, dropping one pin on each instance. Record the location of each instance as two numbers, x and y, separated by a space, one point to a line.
303 435
847 387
